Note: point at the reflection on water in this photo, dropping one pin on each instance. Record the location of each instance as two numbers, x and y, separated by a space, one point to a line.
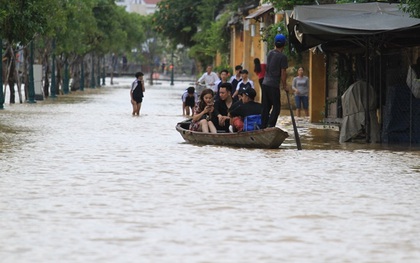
84 181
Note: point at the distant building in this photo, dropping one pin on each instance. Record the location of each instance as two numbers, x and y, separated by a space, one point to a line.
143 7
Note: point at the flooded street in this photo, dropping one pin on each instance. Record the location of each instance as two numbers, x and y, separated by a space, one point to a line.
84 181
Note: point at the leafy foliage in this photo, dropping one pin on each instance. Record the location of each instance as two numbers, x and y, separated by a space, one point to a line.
215 39
199 25
412 7
78 26
21 20
68 30
178 20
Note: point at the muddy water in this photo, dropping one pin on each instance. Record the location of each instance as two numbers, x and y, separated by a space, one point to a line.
83 181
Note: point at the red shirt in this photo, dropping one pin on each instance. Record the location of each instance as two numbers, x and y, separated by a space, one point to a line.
261 74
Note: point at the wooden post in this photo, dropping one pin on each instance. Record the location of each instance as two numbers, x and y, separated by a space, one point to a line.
317 83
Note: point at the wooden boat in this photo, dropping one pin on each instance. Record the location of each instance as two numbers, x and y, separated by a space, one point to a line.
269 138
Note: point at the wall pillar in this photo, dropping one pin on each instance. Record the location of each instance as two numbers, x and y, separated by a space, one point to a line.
317 83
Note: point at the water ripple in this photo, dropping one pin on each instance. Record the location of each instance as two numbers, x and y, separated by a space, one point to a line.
84 181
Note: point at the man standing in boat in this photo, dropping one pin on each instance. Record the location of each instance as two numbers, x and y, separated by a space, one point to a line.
275 73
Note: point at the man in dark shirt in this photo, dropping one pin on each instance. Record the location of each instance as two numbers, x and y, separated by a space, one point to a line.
249 106
222 106
223 79
274 74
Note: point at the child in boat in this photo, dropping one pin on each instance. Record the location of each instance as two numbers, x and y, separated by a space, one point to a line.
201 120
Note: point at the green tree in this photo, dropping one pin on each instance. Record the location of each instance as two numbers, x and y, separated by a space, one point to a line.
178 20
215 38
20 23
93 29
152 48
198 24
412 7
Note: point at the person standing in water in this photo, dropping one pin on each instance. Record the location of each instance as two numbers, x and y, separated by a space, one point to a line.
189 100
259 69
301 88
136 93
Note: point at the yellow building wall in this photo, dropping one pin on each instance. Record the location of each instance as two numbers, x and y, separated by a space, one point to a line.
218 59
257 50
237 47
317 82
246 45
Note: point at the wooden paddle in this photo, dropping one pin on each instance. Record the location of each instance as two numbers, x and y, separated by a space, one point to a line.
297 139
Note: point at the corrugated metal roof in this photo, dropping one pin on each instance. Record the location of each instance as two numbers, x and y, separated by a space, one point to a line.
260 11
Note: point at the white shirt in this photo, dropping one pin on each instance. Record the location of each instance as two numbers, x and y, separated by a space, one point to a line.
244 83
185 95
234 77
209 80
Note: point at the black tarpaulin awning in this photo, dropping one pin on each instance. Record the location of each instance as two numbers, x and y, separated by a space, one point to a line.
338 25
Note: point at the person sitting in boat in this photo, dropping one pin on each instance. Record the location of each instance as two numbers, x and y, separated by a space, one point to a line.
202 118
222 106
189 100
238 100
247 108
224 74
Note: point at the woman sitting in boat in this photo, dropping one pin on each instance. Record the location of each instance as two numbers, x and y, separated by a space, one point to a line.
201 120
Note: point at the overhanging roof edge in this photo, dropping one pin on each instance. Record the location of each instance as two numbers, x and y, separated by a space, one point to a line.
260 11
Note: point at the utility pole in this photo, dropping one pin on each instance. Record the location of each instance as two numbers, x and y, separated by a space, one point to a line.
92 80
31 90
82 76
53 86
66 78
172 68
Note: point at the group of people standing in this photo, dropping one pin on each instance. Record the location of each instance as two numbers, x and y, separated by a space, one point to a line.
225 102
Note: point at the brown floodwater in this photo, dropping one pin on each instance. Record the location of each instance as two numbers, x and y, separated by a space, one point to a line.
84 181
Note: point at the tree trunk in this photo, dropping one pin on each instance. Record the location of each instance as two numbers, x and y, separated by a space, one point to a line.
59 67
25 71
10 75
4 75
75 74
